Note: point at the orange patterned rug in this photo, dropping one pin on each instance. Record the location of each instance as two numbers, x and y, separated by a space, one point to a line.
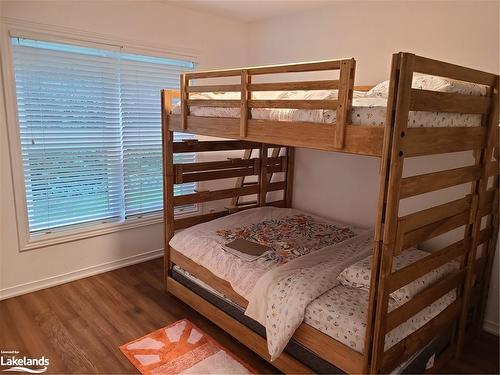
182 348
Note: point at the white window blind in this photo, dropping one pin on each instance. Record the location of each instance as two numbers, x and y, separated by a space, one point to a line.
141 81
90 127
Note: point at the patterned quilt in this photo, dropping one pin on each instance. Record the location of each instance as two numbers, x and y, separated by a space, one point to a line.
291 236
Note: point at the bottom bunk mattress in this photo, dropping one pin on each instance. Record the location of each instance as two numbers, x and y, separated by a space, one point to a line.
341 314
417 364
317 272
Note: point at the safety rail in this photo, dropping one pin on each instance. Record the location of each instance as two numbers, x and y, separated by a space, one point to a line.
246 88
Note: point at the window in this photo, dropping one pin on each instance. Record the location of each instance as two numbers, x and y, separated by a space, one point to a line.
90 128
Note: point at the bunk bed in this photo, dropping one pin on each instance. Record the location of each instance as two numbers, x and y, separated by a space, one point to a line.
250 120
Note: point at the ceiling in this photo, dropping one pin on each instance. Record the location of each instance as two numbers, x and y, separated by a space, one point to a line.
249 10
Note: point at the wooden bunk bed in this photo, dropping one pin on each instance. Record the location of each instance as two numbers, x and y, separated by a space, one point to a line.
394 143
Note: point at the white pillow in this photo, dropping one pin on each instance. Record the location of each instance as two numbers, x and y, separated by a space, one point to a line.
432 83
358 274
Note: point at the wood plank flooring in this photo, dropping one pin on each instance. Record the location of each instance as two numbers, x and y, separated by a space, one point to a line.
80 325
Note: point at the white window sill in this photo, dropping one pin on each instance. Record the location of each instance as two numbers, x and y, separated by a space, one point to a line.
80 232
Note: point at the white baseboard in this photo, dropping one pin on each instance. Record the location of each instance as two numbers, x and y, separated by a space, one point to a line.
78 274
491 327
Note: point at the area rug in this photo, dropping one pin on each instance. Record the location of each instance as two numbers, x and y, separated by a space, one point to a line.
182 348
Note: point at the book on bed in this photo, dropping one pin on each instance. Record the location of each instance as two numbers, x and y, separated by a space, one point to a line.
245 249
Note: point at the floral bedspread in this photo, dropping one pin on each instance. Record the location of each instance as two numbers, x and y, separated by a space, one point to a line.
290 237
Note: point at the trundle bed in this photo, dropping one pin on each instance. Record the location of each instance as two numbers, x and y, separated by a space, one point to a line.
349 299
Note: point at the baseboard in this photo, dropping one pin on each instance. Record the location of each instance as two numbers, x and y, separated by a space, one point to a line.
491 327
48 282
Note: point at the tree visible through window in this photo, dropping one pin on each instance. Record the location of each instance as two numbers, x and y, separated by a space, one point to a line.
90 127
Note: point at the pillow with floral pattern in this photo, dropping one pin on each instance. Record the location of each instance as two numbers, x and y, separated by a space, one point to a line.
358 275
432 83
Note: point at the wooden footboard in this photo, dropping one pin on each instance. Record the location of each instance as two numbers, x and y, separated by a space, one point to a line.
396 232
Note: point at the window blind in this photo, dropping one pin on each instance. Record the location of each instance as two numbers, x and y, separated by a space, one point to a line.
141 81
90 128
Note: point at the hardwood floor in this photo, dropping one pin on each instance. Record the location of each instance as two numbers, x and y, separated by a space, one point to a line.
80 325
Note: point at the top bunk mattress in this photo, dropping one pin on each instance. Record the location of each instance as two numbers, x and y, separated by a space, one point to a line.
368 108
364 111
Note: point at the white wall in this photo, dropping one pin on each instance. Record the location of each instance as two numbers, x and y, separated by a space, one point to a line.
218 42
464 32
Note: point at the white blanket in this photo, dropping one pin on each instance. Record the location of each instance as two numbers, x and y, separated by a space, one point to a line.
280 297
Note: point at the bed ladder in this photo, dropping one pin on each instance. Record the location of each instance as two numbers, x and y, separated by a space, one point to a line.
240 181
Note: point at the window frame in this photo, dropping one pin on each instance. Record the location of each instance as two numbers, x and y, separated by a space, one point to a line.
15 28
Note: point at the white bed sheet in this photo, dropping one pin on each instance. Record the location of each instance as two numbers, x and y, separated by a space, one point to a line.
365 111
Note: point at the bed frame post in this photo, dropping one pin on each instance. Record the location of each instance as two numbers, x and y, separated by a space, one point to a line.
490 246
484 158
290 163
184 84
399 125
245 95
385 165
168 180
263 175
346 87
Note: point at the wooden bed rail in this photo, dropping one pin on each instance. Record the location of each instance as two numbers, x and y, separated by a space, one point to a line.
395 233
246 88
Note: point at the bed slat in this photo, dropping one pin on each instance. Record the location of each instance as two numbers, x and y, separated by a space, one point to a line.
434 214
443 69
215 88
425 265
213 165
204 146
225 103
435 229
435 101
428 141
424 299
271 69
215 175
299 85
207 196
297 104
428 182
